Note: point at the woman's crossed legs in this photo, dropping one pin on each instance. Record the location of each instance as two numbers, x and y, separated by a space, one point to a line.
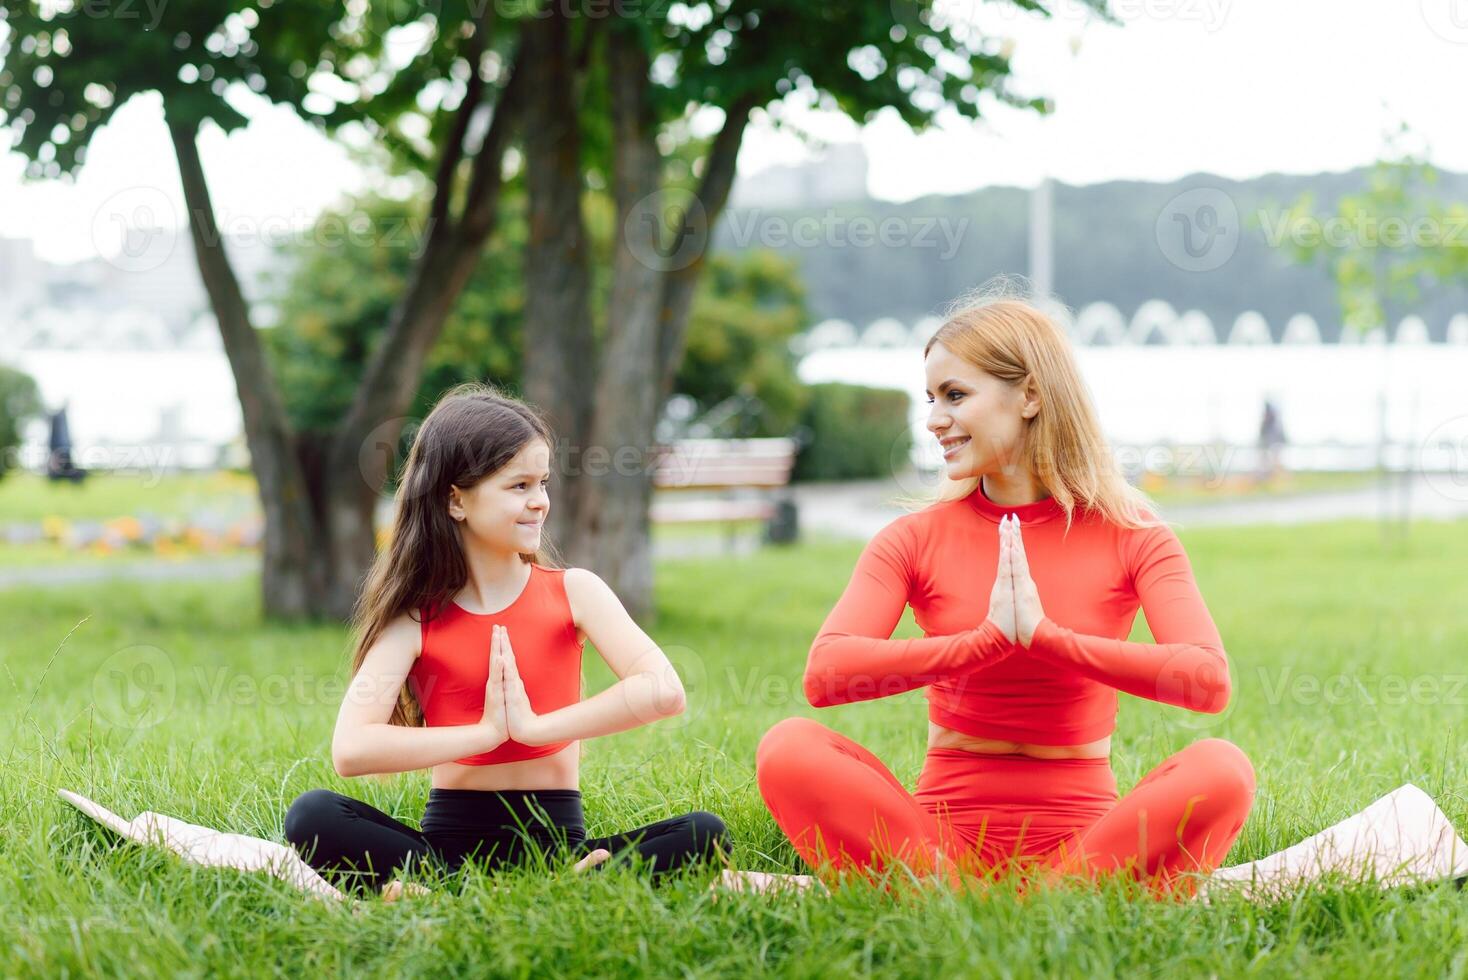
843 809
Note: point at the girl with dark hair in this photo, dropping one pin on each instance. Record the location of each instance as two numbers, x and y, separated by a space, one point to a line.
468 661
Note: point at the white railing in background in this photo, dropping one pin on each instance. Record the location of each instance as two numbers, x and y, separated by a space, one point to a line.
162 409
1353 404
1102 325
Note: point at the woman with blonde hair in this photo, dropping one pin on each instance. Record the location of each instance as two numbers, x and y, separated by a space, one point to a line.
1026 576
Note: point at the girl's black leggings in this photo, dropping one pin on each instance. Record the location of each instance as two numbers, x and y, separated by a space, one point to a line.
359 848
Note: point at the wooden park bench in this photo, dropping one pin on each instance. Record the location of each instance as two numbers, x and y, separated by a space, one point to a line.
726 481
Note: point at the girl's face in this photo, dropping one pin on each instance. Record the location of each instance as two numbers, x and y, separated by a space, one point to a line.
506 510
979 419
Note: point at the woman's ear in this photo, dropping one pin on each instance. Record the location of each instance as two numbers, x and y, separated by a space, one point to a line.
456 504
1030 407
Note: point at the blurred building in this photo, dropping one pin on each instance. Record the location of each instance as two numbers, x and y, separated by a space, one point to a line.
22 277
131 344
838 176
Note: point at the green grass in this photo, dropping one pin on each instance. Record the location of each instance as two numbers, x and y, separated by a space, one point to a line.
25 497
242 715
1186 490
50 554
28 498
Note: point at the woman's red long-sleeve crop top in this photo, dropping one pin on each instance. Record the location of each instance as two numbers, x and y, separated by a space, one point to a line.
1061 690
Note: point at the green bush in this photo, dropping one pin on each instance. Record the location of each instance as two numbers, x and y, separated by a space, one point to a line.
851 432
19 400
747 310
336 300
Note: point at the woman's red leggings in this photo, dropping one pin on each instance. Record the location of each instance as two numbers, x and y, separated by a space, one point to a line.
843 809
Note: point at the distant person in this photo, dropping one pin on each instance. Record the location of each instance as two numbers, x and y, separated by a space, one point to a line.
1271 443
58 460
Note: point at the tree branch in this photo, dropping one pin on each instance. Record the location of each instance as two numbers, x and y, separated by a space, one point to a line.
484 181
267 426
680 285
394 371
453 151
290 585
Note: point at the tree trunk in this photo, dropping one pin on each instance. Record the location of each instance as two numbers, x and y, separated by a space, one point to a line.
612 531
292 584
647 320
351 537
318 494
560 344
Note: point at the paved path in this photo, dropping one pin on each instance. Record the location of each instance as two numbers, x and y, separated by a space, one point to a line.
858 510
1434 496
152 569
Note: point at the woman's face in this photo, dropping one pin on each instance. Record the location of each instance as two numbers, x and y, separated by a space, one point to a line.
506 510
979 420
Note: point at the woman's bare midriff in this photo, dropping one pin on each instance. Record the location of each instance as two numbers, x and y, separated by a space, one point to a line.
558 771
940 737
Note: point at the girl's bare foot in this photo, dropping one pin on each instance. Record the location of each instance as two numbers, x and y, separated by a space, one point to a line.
395 890
598 856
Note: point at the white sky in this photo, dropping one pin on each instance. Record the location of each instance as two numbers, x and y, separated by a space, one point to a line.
1231 87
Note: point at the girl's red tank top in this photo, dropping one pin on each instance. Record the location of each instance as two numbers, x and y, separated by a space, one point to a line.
450 673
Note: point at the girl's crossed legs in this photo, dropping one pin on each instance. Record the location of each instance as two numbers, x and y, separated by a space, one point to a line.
358 847
843 809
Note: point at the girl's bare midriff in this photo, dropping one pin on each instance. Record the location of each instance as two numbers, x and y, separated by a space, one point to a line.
558 771
940 737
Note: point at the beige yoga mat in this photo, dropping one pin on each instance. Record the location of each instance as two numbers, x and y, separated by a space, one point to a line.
210 848
1402 838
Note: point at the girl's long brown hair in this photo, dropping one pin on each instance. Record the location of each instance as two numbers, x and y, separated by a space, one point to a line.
1064 447
472 431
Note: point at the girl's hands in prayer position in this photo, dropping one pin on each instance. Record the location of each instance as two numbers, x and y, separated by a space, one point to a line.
523 723
494 721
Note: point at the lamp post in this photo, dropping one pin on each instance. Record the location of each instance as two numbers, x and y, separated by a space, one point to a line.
1042 205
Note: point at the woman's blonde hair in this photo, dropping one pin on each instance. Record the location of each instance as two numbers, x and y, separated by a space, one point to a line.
1000 331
